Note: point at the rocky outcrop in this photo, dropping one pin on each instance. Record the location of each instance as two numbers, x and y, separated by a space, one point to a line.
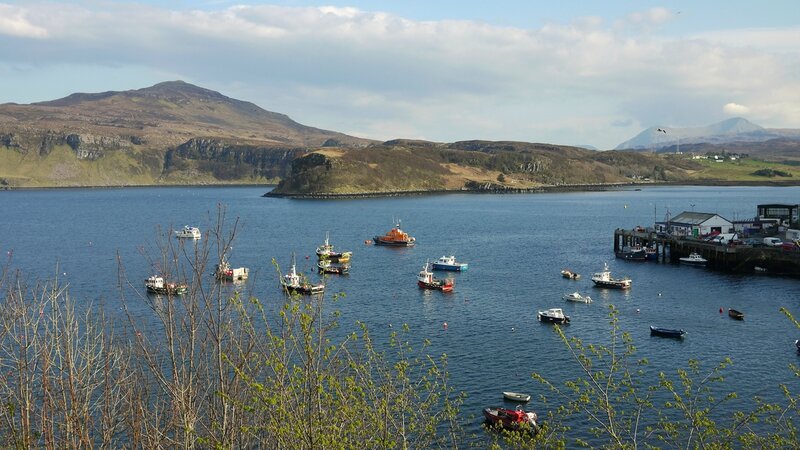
228 161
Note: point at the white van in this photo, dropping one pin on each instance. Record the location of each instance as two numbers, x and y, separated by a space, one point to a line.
772 241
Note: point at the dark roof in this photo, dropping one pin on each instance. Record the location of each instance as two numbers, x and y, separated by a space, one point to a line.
778 205
694 218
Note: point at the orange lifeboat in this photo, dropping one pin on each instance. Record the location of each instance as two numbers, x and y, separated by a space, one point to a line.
395 237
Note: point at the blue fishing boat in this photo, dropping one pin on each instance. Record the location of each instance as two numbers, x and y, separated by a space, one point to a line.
449 263
666 332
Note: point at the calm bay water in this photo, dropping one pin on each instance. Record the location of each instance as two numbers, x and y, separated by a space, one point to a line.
515 245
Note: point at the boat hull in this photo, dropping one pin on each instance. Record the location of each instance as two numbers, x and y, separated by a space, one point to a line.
507 419
666 332
693 263
550 319
436 286
168 290
516 397
305 289
736 315
632 256
392 243
450 267
337 270
612 284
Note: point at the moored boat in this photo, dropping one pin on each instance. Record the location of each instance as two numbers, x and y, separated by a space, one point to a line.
666 332
605 280
734 314
797 344
157 285
325 266
188 232
426 280
576 297
224 272
553 315
516 396
694 259
632 254
395 238
293 282
325 251
566 273
449 263
510 419
651 253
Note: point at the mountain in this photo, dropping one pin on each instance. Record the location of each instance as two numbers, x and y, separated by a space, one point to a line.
169 133
727 131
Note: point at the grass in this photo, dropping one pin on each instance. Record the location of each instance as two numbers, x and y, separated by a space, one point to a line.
742 170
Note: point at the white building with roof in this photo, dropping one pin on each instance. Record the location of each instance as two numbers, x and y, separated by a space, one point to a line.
690 223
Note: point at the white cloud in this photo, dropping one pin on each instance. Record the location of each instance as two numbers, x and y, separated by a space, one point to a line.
14 22
735 109
349 69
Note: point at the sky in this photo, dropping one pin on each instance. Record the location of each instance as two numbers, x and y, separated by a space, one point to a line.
564 72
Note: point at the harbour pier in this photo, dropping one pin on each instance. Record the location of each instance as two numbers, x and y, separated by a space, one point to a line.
736 258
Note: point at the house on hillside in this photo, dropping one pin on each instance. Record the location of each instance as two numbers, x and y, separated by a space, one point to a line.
690 223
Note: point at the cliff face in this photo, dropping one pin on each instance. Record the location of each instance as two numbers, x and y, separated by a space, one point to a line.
169 133
231 162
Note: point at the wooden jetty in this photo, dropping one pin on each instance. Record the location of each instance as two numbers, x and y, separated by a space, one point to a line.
725 257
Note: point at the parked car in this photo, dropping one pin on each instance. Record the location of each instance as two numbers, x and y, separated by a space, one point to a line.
772 242
755 242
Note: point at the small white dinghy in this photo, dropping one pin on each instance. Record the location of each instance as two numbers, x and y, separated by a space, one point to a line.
516 397
576 297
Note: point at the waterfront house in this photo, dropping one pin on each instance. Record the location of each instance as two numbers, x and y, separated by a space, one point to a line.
690 223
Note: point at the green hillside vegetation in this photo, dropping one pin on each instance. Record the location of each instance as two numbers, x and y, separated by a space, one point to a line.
404 166
744 170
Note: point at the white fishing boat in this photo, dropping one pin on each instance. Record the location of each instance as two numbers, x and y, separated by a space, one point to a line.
188 233
295 282
553 315
576 297
604 279
694 259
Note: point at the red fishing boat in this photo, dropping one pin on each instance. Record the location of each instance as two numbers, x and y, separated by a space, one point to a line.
426 280
510 419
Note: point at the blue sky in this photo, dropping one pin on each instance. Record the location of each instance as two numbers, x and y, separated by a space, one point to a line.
565 72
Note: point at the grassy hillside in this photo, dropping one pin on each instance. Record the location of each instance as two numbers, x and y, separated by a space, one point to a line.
745 170
398 166
170 133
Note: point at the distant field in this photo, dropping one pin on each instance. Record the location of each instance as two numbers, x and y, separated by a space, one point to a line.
742 170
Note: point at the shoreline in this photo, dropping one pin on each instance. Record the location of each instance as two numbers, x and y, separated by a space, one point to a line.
134 186
535 190
379 194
